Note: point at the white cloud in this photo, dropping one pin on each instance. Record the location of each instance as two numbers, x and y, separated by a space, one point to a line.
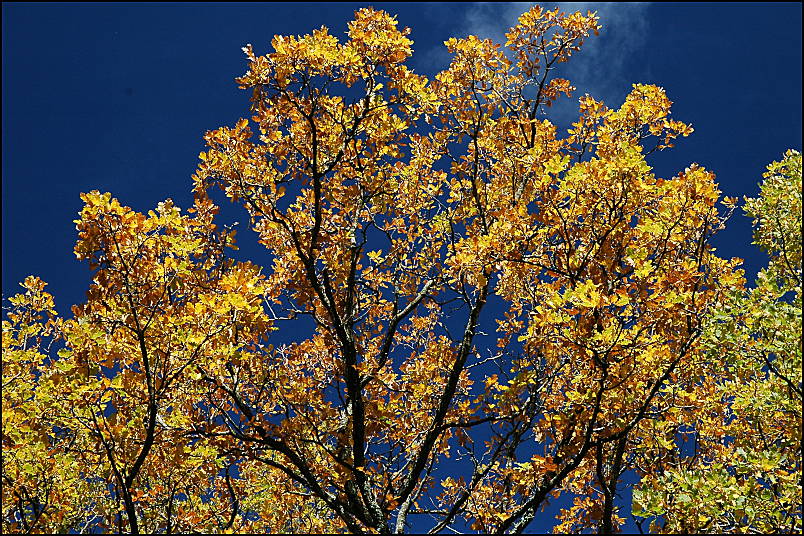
598 69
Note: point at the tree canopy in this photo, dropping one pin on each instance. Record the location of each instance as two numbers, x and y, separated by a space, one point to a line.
463 313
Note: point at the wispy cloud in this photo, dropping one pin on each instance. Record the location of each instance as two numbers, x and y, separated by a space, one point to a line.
599 68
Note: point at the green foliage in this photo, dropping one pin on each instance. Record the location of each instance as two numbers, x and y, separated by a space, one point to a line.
745 472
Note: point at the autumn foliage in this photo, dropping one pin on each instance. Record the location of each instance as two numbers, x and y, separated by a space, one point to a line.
466 313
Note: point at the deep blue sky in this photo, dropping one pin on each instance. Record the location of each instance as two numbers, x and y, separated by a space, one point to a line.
117 98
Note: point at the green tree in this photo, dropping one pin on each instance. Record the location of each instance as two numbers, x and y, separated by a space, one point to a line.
744 472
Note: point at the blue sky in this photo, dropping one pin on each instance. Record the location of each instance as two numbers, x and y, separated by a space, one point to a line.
118 97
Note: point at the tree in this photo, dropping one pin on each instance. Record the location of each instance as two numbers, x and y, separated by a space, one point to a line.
404 219
744 472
